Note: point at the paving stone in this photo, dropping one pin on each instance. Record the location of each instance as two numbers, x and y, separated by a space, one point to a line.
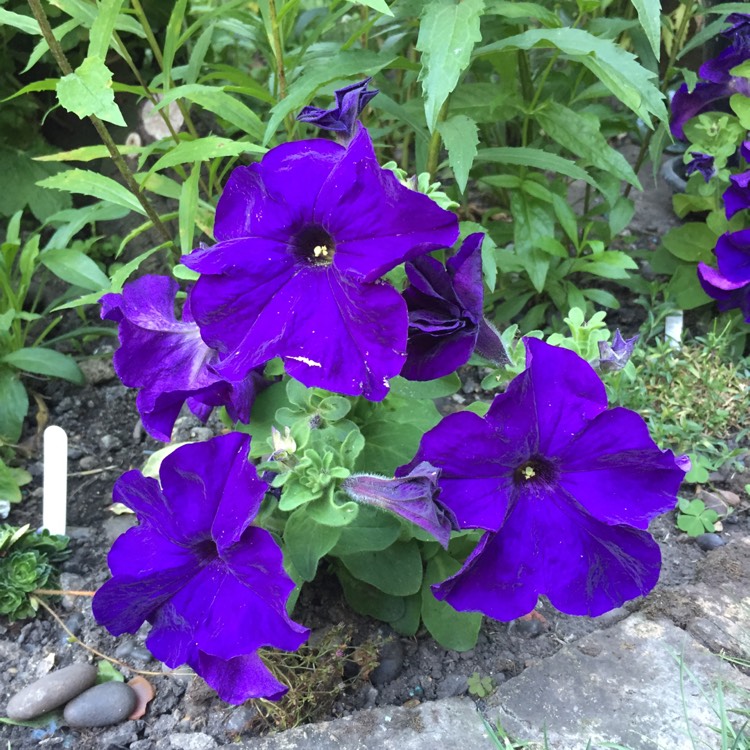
449 723
620 685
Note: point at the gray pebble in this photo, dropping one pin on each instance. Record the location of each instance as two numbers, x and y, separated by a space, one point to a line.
452 685
110 443
528 628
74 623
124 649
391 663
101 705
74 453
192 741
707 542
88 462
52 691
141 654
240 718
201 433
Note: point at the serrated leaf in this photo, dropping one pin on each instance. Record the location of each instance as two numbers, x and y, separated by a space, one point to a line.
76 268
379 5
581 136
616 68
100 34
88 91
96 185
649 14
41 361
448 32
202 149
459 133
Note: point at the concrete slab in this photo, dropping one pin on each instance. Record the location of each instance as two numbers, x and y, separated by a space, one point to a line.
623 685
449 723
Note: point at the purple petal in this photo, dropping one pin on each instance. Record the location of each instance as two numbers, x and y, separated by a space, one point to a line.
238 679
617 473
737 196
583 566
466 269
717 69
350 101
615 356
686 105
728 294
733 255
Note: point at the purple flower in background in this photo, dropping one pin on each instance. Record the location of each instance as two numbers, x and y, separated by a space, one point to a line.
350 101
211 584
446 322
728 294
739 31
167 359
733 256
704 97
702 163
615 356
413 496
737 196
745 151
564 487
304 237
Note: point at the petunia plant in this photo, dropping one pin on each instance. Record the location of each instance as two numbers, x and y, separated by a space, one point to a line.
333 310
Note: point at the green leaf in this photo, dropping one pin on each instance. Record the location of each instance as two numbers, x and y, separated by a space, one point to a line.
202 149
408 623
172 38
447 34
454 630
518 9
88 153
306 542
537 158
88 91
43 361
76 268
691 525
96 185
14 405
740 105
692 242
445 386
106 672
459 133
396 570
685 289
368 600
580 134
100 34
19 21
649 14
216 100
372 530
616 68
188 207
532 221
388 444
9 490
379 5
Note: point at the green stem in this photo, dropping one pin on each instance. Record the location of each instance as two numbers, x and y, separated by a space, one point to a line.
116 156
278 49
433 150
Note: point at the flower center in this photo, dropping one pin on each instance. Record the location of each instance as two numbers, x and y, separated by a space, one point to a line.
538 470
206 549
313 245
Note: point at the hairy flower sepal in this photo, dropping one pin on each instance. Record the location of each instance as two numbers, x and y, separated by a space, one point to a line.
211 584
564 488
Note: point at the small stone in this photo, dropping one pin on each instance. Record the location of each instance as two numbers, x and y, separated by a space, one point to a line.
452 685
74 623
52 691
192 741
241 718
590 649
88 462
119 737
141 654
201 433
101 705
74 453
97 370
110 443
713 501
729 497
124 649
529 628
391 663
708 542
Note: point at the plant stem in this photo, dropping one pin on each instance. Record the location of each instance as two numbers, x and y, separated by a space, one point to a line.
59 592
64 65
278 50
433 150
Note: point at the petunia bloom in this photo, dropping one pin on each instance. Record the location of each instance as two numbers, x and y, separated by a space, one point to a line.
304 237
733 255
737 196
564 488
167 359
446 322
413 496
702 163
616 355
350 101
211 584
728 294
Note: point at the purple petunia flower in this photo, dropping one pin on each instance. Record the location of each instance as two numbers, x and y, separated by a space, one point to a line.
304 237
413 496
350 101
167 359
739 31
446 322
211 584
728 294
733 255
615 356
737 196
703 163
564 487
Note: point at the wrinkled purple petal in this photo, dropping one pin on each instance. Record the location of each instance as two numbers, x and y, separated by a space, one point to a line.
728 294
413 496
350 101
737 196
615 356
703 163
238 679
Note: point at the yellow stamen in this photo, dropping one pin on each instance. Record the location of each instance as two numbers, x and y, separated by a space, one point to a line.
319 250
528 472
